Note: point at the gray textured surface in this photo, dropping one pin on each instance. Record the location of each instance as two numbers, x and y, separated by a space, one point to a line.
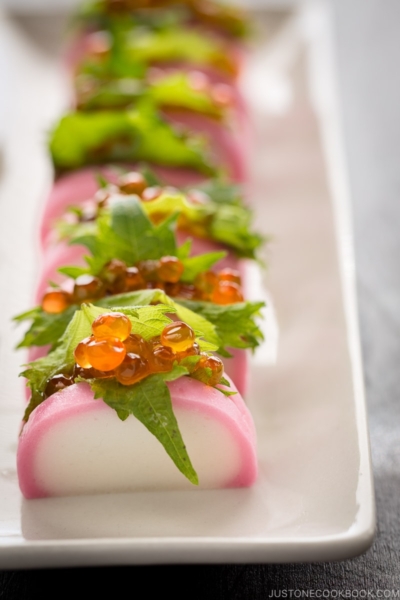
369 57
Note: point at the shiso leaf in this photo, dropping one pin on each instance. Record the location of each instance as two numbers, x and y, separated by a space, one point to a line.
45 329
235 324
217 327
194 265
229 223
101 137
73 272
60 360
126 233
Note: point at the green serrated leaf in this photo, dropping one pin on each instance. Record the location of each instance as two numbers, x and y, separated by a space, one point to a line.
184 250
223 192
27 315
73 272
46 329
194 265
60 360
129 299
235 324
105 136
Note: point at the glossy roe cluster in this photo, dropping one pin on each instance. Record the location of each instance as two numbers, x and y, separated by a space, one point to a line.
112 351
164 274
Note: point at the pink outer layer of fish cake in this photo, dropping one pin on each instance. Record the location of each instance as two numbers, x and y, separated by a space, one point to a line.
186 393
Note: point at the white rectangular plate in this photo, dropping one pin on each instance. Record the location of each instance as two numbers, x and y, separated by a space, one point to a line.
314 498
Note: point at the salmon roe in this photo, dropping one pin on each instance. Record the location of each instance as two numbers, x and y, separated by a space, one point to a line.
178 336
227 292
108 325
230 275
170 269
105 354
209 370
56 301
56 384
206 281
87 288
135 344
162 358
80 354
132 183
113 276
129 358
133 279
132 369
221 287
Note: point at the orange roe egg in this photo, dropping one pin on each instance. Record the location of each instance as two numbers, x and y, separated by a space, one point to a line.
162 358
205 364
133 279
149 269
227 292
113 275
170 269
80 354
156 285
91 373
229 275
86 288
178 336
132 369
206 281
105 354
56 301
115 325
135 344
172 289
132 183
187 291
151 193
192 351
56 384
